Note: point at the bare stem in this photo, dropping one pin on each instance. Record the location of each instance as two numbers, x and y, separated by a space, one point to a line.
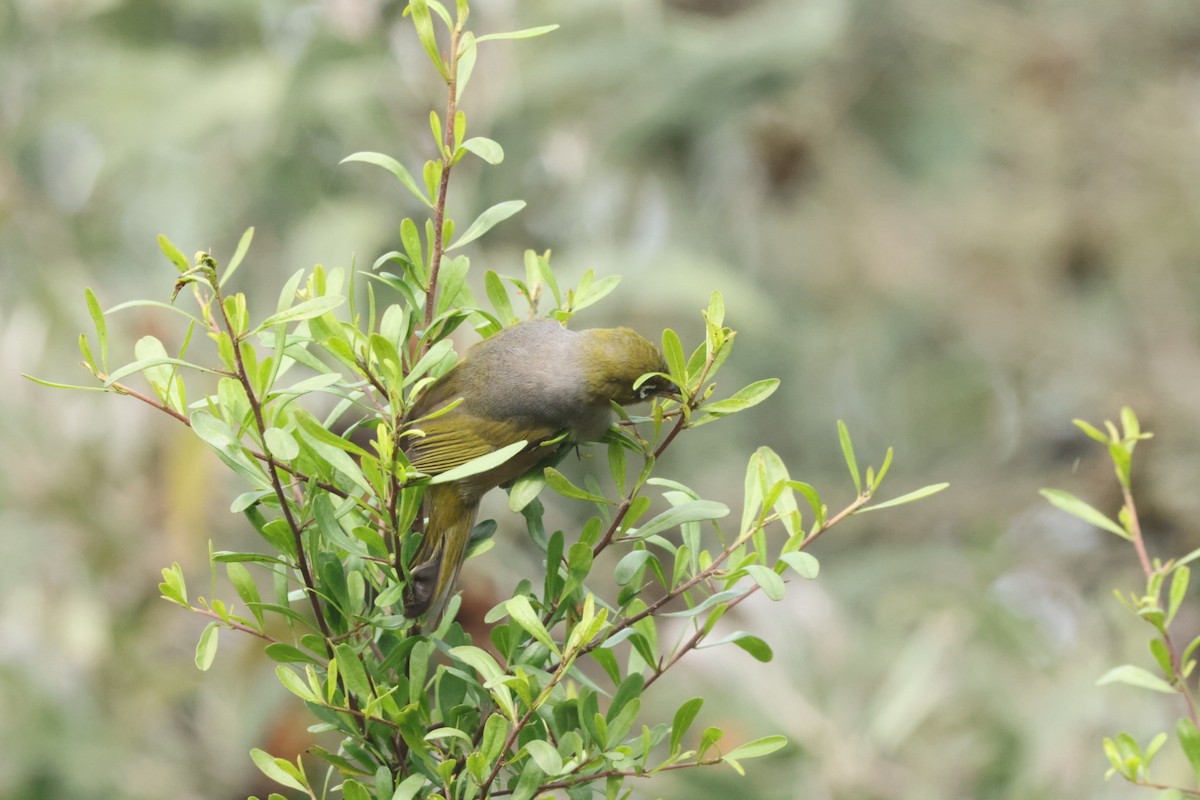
691 643
1139 546
285 506
237 626
1135 533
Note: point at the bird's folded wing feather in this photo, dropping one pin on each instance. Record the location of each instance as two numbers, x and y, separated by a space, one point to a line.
458 437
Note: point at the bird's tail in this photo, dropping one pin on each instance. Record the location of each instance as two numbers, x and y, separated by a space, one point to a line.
440 556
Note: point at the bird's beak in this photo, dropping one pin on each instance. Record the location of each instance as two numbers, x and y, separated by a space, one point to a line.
671 392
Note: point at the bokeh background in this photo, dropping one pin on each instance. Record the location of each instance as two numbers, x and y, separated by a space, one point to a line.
954 225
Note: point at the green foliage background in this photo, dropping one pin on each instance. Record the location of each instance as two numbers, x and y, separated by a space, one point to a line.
957 226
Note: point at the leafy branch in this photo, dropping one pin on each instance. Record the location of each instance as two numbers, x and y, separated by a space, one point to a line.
1176 665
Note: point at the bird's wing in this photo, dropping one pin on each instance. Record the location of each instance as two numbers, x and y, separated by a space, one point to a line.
457 437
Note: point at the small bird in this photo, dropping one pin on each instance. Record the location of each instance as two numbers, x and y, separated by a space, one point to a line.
535 382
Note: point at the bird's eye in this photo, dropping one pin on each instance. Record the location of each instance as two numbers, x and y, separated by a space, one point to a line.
645 390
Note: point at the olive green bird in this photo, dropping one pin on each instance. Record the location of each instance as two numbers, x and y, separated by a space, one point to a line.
533 382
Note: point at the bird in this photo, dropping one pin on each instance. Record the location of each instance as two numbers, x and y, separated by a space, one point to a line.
535 382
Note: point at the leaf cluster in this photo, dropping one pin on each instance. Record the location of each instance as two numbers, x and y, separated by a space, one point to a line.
310 405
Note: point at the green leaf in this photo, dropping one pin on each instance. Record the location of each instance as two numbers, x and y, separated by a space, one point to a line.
1189 741
744 398
919 494
281 444
1180 579
350 667
206 648
277 769
712 734
238 254
396 168
1136 676
445 732
1078 508
149 363
546 757
481 464
848 454
559 483
673 354
526 33
806 565
768 579
523 614
525 490
172 252
757 748
294 684
498 296
305 310
692 511
707 603
93 306
592 291
529 783
479 660
467 55
1092 431
752 644
332 448
487 149
173 587
243 582
683 720
1129 422
487 220
756 647
629 565
288 654
54 385
424 25
435 128
409 787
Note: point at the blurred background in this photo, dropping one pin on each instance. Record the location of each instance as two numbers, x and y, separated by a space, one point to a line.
957 226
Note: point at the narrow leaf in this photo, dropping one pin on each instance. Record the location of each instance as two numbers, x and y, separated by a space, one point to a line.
559 483
1078 508
848 454
172 252
1135 676
744 398
487 220
673 354
1189 741
693 511
396 168
273 768
918 494
306 310
481 464
757 748
238 255
522 612
526 33
206 648
683 720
